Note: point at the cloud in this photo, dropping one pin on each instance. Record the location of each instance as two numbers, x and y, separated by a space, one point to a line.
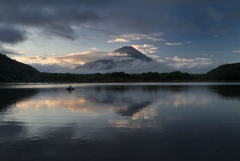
51 68
204 59
173 43
7 51
180 59
146 48
46 64
131 66
154 56
118 40
74 58
62 63
237 51
198 65
177 59
62 18
11 35
32 59
194 65
82 58
131 37
59 31
68 63
56 18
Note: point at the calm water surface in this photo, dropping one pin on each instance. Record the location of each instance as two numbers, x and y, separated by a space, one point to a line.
152 121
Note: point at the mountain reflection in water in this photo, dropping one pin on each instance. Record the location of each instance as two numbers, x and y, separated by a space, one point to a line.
120 122
11 96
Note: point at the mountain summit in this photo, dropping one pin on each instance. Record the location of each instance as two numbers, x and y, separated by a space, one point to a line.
132 52
125 59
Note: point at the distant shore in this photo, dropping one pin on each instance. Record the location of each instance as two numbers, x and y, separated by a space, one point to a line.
67 83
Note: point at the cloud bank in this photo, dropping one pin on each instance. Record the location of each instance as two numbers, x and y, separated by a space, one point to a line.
115 63
60 18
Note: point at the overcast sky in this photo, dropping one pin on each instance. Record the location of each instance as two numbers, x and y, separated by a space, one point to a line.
57 35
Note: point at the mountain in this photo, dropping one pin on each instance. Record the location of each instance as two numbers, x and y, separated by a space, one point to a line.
126 59
225 72
12 70
133 53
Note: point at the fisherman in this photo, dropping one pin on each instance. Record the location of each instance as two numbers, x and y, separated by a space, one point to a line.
70 87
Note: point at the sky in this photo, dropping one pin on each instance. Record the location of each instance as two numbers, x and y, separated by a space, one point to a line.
59 35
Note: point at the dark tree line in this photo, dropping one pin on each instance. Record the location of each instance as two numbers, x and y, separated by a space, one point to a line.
117 77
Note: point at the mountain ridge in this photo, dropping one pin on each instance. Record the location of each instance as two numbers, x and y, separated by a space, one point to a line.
225 72
13 70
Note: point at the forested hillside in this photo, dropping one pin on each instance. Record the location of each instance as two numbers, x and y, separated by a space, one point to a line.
12 70
225 72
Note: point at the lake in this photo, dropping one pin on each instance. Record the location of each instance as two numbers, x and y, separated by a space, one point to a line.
124 121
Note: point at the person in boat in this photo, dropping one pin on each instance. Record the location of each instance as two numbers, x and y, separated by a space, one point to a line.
70 88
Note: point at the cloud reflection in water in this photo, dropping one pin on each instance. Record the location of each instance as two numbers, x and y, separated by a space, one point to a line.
118 122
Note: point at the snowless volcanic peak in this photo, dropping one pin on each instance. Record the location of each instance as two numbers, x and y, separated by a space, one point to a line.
126 49
132 52
125 59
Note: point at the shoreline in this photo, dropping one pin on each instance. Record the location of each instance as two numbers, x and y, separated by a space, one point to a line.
151 82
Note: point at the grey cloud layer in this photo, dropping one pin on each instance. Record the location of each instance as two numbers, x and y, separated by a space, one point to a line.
4 50
57 17
11 35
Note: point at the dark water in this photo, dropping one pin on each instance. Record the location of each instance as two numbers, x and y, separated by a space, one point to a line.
168 122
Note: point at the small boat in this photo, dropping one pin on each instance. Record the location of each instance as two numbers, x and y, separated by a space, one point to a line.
70 89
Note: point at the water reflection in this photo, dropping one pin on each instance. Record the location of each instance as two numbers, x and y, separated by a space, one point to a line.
11 96
232 91
121 122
